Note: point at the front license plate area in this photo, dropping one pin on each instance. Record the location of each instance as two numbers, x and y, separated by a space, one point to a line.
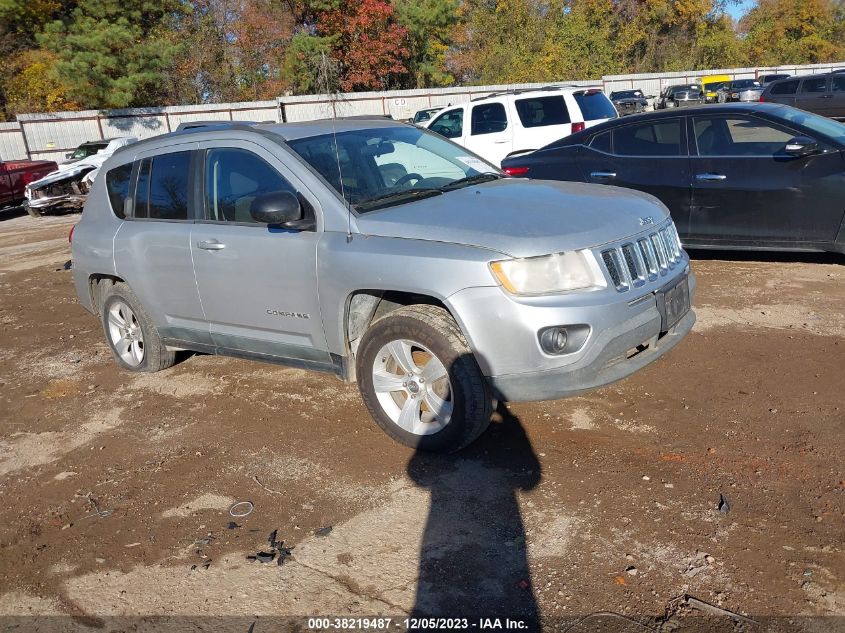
673 303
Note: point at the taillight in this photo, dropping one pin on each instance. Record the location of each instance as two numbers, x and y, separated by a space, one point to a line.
70 235
761 99
516 172
578 126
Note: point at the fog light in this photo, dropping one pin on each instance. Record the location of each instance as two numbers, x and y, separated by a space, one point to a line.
553 340
563 339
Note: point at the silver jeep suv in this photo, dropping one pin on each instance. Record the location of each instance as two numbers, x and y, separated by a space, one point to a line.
382 253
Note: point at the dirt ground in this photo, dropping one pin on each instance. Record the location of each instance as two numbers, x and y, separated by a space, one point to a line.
116 487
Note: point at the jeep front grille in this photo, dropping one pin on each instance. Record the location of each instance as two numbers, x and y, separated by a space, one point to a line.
632 264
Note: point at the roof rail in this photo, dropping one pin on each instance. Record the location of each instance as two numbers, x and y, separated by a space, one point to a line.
222 125
519 91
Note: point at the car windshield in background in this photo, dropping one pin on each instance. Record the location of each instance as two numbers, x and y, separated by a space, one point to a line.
745 83
627 94
819 124
84 151
373 169
595 105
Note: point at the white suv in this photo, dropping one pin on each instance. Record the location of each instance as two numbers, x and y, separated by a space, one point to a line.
517 120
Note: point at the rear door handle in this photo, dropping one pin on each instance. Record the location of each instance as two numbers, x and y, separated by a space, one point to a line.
602 175
502 141
710 177
211 245
826 97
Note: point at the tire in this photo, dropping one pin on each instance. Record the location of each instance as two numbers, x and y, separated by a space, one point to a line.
444 414
33 212
130 332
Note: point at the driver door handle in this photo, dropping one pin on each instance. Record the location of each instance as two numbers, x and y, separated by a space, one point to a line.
504 140
602 175
211 245
710 177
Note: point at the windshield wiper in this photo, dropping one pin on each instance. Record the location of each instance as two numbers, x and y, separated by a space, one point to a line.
471 180
396 197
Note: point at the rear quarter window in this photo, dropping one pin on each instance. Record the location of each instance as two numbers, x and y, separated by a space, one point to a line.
595 105
117 186
784 88
542 111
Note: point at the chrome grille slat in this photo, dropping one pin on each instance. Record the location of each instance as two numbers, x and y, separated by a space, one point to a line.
645 259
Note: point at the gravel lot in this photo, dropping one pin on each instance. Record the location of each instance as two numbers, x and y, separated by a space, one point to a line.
116 486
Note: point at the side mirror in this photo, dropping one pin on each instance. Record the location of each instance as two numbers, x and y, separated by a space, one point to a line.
69 154
279 207
802 146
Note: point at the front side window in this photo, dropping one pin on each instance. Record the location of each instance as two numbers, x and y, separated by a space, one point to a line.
838 83
736 136
391 165
660 138
489 118
785 88
449 124
233 179
117 185
815 84
162 189
542 111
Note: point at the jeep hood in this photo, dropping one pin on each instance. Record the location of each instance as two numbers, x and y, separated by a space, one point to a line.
519 217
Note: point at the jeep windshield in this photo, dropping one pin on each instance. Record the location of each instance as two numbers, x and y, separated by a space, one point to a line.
382 167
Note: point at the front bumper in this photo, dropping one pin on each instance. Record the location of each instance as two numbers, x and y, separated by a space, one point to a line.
609 364
624 337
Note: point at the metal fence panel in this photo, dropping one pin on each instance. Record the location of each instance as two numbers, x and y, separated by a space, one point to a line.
12 146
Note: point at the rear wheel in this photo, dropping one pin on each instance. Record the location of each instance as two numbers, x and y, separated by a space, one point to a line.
131 334
420 381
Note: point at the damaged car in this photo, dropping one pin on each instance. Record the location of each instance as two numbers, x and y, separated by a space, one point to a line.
67 187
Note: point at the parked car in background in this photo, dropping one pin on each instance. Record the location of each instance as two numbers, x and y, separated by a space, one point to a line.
710 84
436 294
518 120
751 176
740 90
15 175
820 94
680 96
765 80
629 101
420 116
67 187
89 148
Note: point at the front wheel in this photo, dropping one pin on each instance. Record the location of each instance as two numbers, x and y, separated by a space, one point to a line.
420 381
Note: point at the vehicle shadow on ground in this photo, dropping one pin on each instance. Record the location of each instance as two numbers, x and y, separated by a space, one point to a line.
766 256
10 213
473 561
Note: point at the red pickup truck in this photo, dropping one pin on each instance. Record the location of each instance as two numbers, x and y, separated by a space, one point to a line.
17 174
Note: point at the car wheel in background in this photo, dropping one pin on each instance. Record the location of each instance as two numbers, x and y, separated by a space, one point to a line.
130 333
420 381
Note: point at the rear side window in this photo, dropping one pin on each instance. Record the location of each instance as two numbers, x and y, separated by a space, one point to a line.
815 84
234 178
449 124
785 88
117 185
595 105
542 111
660 138
601 142
166 179
489 118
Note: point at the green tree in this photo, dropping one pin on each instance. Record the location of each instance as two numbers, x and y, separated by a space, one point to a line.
430 24
114 54
794 32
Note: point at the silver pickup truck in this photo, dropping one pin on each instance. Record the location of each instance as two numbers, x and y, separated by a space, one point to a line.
385 254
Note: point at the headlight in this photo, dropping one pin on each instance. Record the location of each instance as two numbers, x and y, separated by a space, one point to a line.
549 274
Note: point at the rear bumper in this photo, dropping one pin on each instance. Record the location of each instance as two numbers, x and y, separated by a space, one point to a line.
609 365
